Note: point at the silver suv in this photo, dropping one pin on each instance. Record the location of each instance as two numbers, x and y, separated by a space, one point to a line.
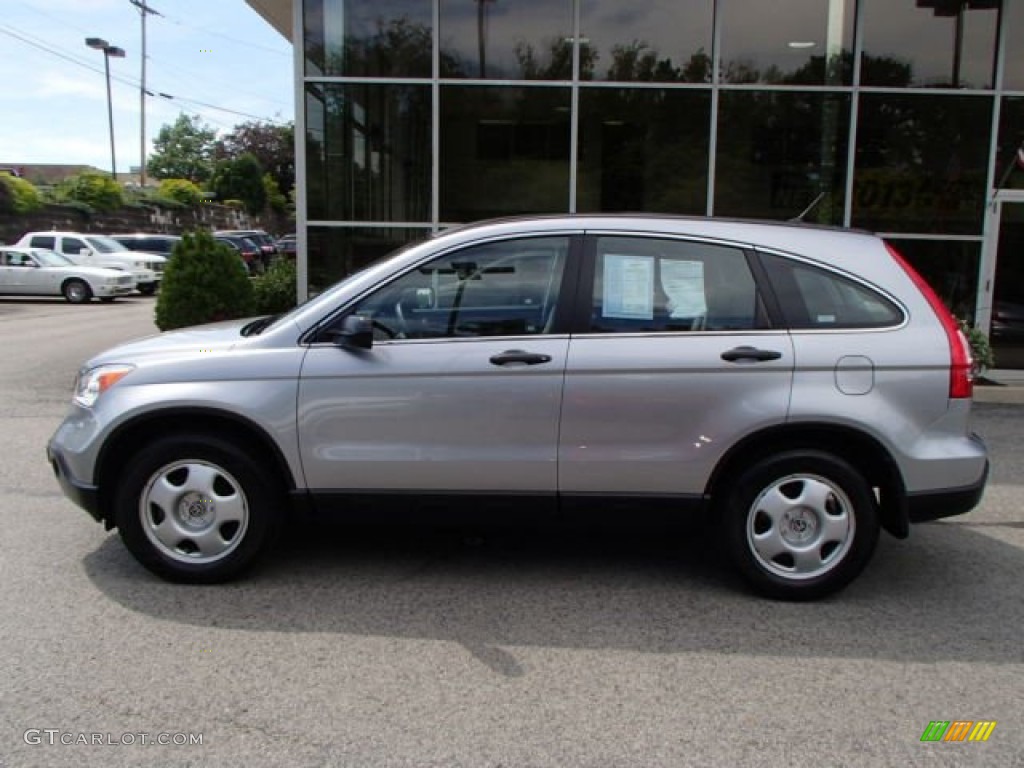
801 387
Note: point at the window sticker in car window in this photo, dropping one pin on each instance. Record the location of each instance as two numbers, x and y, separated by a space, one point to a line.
628 286
683 282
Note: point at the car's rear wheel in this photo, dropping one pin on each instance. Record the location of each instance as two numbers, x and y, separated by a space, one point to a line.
196 509
801 524
76 291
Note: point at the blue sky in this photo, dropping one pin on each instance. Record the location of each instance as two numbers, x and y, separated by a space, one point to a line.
219 53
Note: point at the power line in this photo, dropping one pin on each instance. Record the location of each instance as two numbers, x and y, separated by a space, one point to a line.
134 83
235 40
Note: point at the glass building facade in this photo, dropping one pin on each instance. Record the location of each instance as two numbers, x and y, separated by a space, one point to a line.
899 116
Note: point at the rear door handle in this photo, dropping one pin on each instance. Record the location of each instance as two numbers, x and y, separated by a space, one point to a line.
519 356
750 353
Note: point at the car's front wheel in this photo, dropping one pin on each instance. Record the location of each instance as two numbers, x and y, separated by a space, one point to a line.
801 524
76 291
147 289
196 509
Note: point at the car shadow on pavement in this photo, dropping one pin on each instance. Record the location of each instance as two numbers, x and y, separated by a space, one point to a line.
950 593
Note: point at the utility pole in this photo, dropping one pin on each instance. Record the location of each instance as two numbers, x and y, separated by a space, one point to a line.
144 10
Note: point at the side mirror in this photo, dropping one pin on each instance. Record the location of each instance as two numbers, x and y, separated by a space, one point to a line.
356 331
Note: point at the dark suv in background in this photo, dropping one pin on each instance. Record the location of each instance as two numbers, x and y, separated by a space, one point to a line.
149 242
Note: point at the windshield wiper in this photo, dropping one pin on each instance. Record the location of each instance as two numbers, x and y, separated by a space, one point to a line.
256 327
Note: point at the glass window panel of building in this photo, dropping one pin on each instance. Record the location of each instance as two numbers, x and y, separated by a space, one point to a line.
800 42
643 150
654 41
1008 306
921 163
503 151
1013 67
778 152
929 43
949 266
368 38
1009 173
523 40
335 252
368 152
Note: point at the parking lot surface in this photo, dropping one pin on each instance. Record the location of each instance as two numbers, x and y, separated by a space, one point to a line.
398 648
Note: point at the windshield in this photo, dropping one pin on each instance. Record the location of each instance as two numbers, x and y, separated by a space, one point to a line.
51 258
106 244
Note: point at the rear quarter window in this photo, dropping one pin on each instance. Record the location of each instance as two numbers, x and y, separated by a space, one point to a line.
816 298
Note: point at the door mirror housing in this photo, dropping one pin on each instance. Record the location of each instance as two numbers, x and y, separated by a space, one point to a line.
356 332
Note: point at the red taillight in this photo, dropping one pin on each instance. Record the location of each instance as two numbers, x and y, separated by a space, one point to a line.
961 382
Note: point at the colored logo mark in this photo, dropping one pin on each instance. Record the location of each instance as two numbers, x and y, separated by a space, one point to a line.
958 730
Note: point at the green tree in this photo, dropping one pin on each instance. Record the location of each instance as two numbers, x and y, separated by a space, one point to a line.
183 150
18 195
204 282
181 191
97 190
242 179
276 200
272 145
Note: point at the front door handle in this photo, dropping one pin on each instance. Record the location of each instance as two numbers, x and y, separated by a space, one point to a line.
750 353
519 356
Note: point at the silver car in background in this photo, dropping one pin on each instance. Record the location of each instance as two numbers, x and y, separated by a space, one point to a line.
800 387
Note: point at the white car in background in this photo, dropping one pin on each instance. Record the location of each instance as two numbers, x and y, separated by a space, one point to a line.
102 251
39 272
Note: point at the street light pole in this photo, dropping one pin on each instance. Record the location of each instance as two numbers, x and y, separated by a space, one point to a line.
109 50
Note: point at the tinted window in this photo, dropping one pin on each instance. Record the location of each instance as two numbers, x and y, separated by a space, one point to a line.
43 241
648 284
70 245
500 289
817 298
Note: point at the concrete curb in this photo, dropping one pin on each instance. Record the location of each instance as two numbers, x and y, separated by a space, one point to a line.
1007 395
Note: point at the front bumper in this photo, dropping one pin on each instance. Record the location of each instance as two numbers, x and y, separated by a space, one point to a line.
84 495
114 290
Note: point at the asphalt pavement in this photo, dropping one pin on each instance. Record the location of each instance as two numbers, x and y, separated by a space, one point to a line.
438 650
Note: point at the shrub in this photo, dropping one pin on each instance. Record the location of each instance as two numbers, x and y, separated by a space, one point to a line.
275 290
18 195
181 191
981 349
97 190
204 281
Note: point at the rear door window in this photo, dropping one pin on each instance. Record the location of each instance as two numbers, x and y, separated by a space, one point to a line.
647 285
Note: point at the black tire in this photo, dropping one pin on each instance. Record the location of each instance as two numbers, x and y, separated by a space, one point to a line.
801 524
196 486
107 299
76 291
147 289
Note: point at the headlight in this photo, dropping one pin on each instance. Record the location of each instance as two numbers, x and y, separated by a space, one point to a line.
92 383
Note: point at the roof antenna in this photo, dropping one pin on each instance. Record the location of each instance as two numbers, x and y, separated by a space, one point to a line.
809 208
